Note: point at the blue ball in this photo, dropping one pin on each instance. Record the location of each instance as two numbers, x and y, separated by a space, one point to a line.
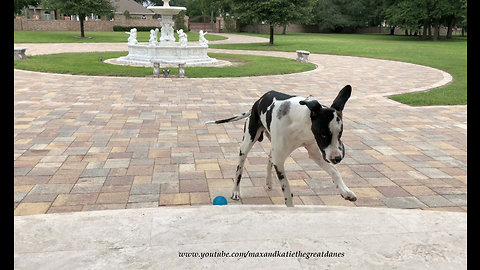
219 200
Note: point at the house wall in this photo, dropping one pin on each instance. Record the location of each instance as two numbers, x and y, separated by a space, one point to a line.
122 21
40 14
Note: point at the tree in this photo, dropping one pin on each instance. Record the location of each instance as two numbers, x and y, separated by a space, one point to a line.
197 8
18 5
457 14
271 12
406 14
82 8
413 14
338 15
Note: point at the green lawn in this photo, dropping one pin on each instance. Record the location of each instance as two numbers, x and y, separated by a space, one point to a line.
92 37
88 64
447 55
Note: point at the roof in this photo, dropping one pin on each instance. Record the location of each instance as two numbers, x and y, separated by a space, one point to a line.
133 7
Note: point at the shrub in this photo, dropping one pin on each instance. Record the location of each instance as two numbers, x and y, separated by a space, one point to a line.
120 28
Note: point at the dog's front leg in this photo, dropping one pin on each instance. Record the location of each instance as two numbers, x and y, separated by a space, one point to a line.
316 156
346 193
287 193
278 161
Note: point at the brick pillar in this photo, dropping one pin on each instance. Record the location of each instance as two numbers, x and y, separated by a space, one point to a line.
186 21
220 24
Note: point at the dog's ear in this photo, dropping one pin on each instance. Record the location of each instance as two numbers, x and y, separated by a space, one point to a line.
313 105
342 98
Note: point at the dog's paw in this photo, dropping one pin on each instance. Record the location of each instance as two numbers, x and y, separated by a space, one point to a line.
349 196
236 195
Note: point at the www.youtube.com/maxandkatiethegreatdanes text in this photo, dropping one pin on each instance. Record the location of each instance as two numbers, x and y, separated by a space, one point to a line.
256 254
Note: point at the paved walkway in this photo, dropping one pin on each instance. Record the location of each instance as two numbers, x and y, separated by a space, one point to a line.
92 143
161 238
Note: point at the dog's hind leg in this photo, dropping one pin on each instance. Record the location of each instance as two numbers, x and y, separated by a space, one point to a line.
246 146
268 180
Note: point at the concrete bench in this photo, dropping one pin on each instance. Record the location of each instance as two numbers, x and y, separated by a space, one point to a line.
19 53
302 56
156 67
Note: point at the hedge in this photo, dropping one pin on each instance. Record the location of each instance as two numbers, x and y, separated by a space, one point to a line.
120 28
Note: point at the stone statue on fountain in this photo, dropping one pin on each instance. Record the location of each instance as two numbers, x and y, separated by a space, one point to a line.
132 39
153 38
201 38
182 37
167 29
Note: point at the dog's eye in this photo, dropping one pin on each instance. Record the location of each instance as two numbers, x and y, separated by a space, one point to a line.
323 136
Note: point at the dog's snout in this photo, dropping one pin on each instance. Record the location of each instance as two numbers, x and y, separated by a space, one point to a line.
336 159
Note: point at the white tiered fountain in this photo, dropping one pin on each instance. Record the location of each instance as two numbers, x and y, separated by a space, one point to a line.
166 50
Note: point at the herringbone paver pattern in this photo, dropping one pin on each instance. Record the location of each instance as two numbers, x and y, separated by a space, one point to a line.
90 143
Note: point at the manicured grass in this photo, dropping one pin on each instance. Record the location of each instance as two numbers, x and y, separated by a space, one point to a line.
447 55
92 37
88 64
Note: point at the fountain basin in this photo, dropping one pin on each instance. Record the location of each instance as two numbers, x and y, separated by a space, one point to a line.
166 10
194 54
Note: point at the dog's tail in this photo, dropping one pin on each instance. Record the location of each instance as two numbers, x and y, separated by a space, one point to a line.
231 119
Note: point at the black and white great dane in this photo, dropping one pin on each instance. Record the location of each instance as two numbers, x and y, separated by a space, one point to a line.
290 122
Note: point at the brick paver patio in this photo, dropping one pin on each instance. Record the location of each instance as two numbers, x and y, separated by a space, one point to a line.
89 142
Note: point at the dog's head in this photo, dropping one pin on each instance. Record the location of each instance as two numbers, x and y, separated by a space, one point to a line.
327 125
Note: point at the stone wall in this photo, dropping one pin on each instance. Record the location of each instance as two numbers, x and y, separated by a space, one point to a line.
122 21
297 28
196 27
60 25
66 25
291 28
216 27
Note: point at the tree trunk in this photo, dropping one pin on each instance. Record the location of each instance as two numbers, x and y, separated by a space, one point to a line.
271 35
436 31
449 29
392 30
449 32
284 31
424 34
82 28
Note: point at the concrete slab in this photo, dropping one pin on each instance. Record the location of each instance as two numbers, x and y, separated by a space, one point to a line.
239 236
